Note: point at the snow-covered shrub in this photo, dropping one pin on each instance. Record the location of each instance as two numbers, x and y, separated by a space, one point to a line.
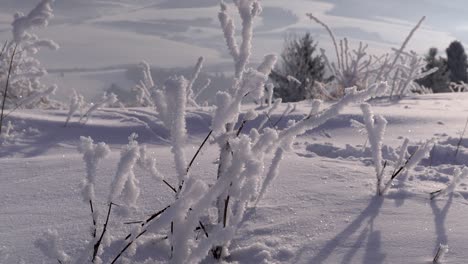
106 100
146 88
245 168
374 127
124 191
77 103
356 67
25 88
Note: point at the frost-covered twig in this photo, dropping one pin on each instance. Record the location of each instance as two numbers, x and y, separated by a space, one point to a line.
330 32
375 126
125 183
458 176
48 244
92 155
272 173
104 229
76 103
248 10
460 140
107 99
443 249
352 96
403 46
198 150
7 85
193 78
412 161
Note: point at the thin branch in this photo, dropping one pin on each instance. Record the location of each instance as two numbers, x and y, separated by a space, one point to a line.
127 246
3 48
460 141
94 220
226 203
199 149
203 228
241 127
6 87
98 243
170 186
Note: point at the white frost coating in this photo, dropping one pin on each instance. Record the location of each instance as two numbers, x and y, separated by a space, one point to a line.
107 99
38 17
35 96
24 81
92 155
421 153
272 173
227 111
266 140
176 96
149 163
275 106
142 89
375 126
125 177
147 77
401 154
293 79
352 96
47 243
268 64
248 9
458 176
253 83
250 115
443 249
196 71
315 109
227 25
204 87
77 102
360 127
270 89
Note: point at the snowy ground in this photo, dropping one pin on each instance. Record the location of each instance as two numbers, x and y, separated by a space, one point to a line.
321 208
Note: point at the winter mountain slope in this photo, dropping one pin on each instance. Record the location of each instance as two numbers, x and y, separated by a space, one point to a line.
320 209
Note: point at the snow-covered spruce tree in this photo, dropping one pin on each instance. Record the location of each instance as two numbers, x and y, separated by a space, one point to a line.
457 62
25 88
439 80
299 60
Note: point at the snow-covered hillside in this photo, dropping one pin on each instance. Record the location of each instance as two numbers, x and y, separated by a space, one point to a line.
321 208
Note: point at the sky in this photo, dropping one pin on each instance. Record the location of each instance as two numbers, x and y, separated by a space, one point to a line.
173 33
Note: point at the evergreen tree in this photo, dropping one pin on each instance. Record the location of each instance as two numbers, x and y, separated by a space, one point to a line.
298 70
456 62
439 80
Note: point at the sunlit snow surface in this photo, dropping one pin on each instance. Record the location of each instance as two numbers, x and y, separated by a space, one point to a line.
320 209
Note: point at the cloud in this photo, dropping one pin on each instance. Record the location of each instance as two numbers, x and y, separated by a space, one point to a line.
275 17
188 3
